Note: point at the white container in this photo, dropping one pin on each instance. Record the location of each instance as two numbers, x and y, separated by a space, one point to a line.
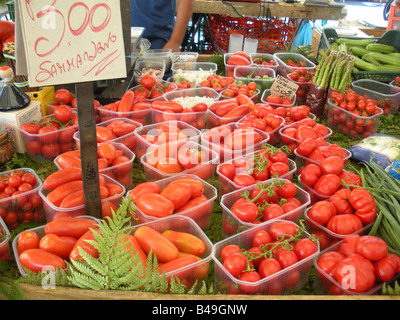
235 42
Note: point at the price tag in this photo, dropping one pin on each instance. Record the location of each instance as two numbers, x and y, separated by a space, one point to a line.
70 41
283 87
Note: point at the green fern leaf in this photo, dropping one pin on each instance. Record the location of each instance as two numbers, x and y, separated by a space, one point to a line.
10 289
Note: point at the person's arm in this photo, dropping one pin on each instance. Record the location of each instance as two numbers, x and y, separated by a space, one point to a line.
183 15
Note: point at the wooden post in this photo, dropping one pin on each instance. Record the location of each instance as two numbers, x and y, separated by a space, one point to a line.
88 148
126 30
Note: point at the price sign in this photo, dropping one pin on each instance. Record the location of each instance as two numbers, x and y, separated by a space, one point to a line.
70 41
284 87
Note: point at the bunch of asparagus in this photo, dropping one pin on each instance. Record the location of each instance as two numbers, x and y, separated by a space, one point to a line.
334 70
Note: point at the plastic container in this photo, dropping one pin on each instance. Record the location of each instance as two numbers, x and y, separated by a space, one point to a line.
324 284
197 271
121 172
338 119
396 89
284 68
201 214
302 161
274 136
213 120
229 68
52 211
278 283
162 83
192 72
188 98
26 207
255 97
226 154
204 170
290 140
263 76
141 116
264 59
237 225
186 133
333 236
383 93
129 139
314 196
146 65
228 185
164 54
40 232
46 146
5 254
184 57
302 91
267 93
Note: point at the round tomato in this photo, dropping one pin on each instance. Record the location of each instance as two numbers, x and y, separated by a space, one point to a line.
63 113
235 263
63 96
27 240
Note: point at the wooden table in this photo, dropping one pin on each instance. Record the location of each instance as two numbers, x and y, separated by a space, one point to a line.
281 9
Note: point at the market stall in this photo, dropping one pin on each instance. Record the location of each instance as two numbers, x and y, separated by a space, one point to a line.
234 176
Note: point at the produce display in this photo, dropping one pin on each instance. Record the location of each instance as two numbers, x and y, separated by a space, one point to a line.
369 260
217 183
51 135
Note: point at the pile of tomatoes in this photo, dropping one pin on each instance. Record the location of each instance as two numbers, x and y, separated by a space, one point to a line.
174 111
114 160
266 253
217 82
248 89
178 157
174 250
267 201
276 101
60 242
264 61
324 179
344 212
231 141
238 58
302 77
63 191
65 97
183 194
19 198
150 88
229 110
307 128
352 114
368 259
269 162
47 138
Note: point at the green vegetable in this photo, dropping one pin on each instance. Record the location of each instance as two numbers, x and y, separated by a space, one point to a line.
382 48
363 65
359 51
355 42
385 59
389 67
368 58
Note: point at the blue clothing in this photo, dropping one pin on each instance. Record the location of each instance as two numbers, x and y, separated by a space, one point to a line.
157 17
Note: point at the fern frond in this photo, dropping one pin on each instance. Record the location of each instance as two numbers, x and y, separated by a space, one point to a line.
10 289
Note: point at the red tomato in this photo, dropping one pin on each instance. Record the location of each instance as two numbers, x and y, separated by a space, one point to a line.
63 96
154 204
36 259
27 240
344 224
333 164
321 212
235 263
305 248
63 113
